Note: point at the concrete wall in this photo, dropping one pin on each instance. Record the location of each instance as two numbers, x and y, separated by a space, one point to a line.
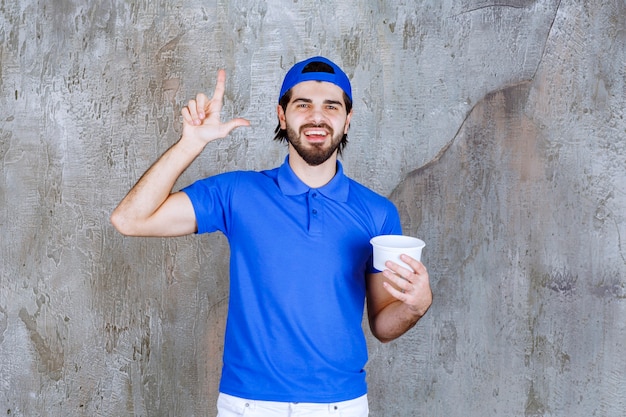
497 127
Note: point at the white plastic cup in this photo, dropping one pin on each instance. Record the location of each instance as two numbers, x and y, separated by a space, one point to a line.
390 247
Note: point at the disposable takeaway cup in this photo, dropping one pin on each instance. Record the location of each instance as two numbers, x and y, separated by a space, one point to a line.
390 247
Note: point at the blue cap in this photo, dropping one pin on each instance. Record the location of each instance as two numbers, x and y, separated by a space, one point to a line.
295 76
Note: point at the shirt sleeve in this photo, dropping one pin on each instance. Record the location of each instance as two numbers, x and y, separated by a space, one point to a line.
211 199
391 225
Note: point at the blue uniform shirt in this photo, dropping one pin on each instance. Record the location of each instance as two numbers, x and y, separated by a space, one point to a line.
299 256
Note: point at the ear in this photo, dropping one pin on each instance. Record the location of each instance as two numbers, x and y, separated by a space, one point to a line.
348 118
281 117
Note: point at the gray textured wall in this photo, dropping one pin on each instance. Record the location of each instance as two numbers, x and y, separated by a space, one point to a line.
497 127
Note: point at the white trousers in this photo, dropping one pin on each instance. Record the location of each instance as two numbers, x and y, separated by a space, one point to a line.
229 406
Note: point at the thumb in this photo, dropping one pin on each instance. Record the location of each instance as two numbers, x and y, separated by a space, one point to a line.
233 124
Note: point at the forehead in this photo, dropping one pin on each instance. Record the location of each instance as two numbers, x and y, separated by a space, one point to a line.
317 90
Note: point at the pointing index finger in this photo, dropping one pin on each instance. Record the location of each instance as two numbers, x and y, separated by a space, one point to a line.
220 84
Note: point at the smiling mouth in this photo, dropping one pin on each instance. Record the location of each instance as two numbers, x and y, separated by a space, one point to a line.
316 133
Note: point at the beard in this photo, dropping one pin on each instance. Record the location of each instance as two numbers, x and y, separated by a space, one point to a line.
314 154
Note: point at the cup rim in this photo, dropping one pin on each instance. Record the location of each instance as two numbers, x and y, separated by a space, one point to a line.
401 242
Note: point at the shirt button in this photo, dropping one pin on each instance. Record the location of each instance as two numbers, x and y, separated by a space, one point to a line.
314 211
314 195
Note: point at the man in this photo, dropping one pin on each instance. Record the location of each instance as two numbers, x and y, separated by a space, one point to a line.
300 267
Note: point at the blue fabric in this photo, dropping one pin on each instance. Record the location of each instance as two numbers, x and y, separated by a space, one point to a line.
296 76
297 280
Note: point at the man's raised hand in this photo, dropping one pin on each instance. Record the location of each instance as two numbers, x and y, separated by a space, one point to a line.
201 116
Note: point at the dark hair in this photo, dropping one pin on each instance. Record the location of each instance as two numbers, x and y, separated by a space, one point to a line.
281 134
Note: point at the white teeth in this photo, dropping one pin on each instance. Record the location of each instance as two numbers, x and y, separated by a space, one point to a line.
316 133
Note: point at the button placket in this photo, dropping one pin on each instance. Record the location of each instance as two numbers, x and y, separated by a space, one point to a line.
315 212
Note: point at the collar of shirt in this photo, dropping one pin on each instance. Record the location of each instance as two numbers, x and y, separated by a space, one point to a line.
337 189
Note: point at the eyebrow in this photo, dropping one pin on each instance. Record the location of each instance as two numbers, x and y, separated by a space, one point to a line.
308 100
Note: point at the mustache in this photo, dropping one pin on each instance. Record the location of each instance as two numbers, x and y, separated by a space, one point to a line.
318 125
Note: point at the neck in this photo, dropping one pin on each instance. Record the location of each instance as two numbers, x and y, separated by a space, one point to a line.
313 176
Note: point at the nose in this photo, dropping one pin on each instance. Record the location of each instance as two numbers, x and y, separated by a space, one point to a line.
317 115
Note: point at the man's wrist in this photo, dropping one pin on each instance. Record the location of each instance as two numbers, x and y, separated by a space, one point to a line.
190 146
